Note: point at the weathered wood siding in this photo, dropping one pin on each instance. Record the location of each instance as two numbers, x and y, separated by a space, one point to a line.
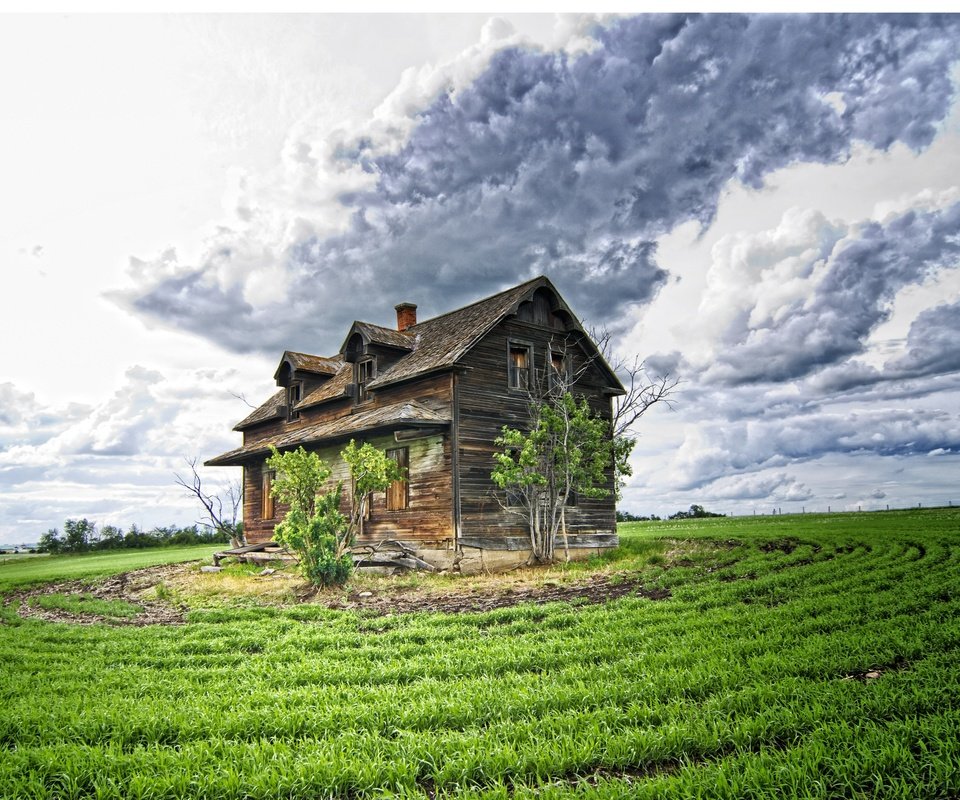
485 405
429 516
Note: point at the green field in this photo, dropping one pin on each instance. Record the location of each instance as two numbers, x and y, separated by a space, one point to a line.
813 656
21 571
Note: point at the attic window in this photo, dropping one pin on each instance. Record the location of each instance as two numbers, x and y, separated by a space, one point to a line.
519 363
294 391
366 371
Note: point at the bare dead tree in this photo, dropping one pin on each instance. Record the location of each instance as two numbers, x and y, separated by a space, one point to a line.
222 509
643 389
567 447
242 397
563 448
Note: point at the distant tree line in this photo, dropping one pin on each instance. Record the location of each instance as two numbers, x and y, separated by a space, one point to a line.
626 516
695 512
83 536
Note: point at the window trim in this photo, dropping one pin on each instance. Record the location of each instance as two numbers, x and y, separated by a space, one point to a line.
567 374
520 344
295 387
363 394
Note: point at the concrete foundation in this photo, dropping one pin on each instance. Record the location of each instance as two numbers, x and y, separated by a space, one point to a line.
475 560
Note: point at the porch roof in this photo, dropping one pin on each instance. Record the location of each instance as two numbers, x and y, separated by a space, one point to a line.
410 414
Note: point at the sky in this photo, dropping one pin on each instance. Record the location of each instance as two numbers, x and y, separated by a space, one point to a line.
767 207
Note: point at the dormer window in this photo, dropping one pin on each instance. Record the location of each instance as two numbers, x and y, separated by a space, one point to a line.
366 371
294 391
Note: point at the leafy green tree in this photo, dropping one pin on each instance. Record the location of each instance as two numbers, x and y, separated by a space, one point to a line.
695 512
50 542
567 449
111 537
315 539
136 538
299 477
314 526
370 471
78 534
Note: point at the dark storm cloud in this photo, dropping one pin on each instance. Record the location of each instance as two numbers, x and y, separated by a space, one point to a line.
930 364
856 294
933 344
574 166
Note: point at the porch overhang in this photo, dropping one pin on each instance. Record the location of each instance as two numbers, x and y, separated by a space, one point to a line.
398 417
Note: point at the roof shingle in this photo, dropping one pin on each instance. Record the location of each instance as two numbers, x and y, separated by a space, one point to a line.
433 344
405 414
273 408
442 340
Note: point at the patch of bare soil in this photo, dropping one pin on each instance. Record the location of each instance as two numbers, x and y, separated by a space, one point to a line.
599 589
128 586
132 586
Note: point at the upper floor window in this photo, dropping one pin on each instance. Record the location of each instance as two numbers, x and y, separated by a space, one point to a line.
366 371
294 391
519 366
559 371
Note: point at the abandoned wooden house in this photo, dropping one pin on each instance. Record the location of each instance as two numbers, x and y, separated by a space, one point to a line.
435 395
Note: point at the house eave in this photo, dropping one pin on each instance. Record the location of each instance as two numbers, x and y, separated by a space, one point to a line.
402 417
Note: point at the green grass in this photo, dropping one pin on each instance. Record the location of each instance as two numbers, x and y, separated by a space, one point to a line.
18 573
86 603
748 682
4 557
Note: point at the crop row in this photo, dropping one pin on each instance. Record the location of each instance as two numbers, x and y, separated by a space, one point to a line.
809 664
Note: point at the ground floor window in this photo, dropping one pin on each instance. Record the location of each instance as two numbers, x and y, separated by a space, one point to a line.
398 492
266 498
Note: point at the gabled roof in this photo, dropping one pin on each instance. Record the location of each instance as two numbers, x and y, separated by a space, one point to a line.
275 407
304 362
409 414
377 334
336 387
441 341
432 345
316 364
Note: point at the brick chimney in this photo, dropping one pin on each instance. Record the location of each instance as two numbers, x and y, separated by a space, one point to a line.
406 315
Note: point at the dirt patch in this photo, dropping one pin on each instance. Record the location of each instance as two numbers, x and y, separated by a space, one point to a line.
128 586
872 673
785 545
600 589
132 587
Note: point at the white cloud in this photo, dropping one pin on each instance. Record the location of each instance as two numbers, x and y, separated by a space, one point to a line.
735 226
752 486
756 280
